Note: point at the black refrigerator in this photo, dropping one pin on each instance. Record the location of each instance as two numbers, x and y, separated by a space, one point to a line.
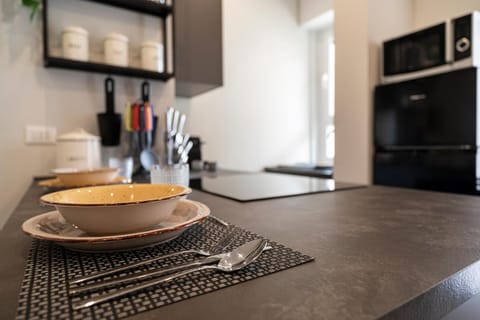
426 133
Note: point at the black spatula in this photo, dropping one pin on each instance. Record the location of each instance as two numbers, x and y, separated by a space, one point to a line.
110 123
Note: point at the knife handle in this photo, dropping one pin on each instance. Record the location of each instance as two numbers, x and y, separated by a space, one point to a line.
135 117
145 91
109 95
148 118
128 117
141 117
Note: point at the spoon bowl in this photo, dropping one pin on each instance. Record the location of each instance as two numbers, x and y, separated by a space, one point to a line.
148 158
238 259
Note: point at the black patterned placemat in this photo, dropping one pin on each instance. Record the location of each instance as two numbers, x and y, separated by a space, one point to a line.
44 292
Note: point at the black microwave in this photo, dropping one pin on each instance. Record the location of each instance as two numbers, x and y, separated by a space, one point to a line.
453 44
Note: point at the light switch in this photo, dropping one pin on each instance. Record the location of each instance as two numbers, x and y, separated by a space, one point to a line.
40 134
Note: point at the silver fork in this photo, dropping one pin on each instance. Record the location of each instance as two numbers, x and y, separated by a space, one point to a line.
232 261
142 275
216 248
147 274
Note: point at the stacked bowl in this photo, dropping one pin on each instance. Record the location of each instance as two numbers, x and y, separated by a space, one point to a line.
85 177
117 209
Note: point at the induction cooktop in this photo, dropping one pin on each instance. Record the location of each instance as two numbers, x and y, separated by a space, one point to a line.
261 186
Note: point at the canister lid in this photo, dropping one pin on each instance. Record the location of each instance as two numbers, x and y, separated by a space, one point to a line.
77 135
76 29
152 44
116 36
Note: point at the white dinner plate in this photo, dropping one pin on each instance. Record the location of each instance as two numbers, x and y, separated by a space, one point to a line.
53 227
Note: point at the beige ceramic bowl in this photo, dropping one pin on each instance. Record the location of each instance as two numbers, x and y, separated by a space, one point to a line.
90 177
116 209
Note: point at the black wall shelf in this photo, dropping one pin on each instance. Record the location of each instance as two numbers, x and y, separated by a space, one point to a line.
61 63
142 6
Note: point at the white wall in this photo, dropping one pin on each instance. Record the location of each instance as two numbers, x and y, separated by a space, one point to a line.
31 94
427 12
359 28
260 116
311 9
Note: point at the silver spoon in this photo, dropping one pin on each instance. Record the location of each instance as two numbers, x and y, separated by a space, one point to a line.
232 261
146 274
148 159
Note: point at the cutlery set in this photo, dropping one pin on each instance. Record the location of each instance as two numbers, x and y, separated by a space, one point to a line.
215 258
178 144
217 248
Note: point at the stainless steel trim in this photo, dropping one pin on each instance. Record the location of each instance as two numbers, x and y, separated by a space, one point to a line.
427 148
449 42
417 74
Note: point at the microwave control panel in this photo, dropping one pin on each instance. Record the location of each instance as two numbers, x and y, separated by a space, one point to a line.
462 37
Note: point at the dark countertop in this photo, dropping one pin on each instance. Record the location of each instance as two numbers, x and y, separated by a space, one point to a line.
380 253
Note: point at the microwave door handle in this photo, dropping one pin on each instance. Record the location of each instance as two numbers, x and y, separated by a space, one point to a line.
449 41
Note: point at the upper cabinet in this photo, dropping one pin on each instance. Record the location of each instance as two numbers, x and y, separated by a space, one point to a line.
198 46
118 37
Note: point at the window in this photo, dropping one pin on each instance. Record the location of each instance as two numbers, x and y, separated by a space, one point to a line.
322 86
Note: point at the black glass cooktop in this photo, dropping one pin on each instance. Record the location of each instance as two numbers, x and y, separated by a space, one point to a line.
260 186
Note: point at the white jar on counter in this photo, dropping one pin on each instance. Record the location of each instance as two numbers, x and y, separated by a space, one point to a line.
116 49
79 150
152 56
75 43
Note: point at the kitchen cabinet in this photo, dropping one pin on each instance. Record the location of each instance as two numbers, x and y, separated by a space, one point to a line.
198 46
157 9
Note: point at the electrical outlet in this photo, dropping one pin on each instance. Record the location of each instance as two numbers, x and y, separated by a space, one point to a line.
40 134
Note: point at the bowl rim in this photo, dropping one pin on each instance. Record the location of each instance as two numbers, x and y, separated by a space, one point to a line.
185 191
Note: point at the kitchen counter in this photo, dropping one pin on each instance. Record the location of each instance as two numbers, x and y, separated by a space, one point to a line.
380 253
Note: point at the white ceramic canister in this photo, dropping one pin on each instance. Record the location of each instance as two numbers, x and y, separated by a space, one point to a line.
152 56
75 43
116 49
78 149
